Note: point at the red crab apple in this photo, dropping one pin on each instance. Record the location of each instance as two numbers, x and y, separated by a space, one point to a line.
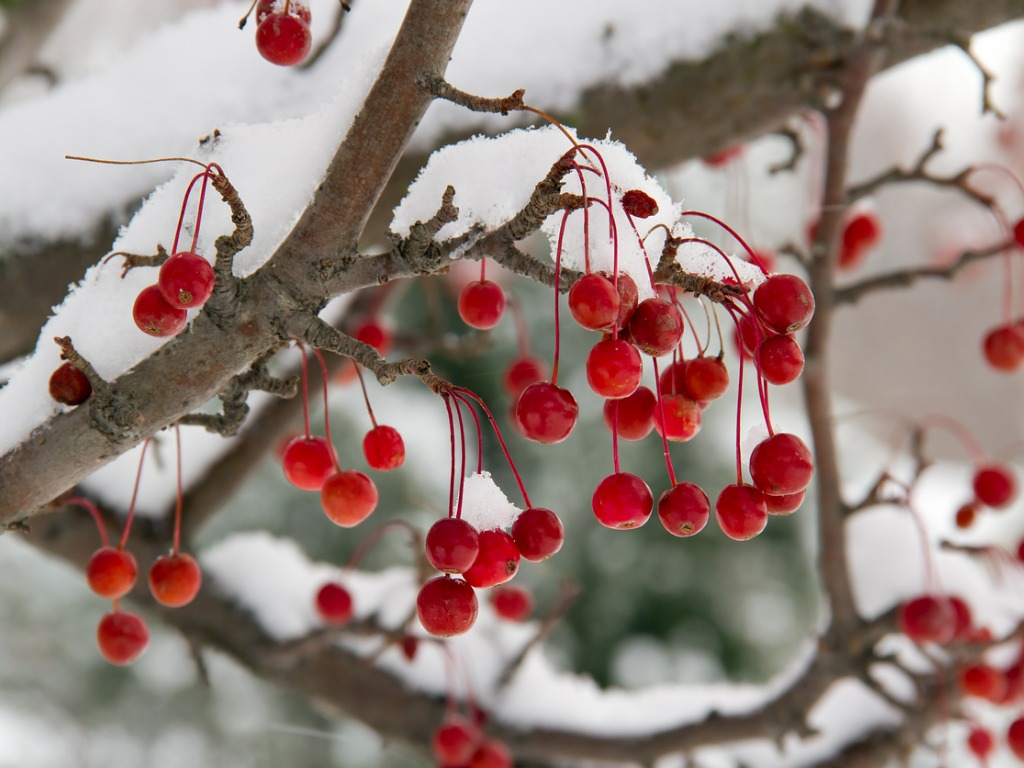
446 606
283 39
69 386
121 637
175 579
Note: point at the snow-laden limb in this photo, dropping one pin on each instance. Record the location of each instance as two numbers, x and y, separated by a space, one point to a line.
495 177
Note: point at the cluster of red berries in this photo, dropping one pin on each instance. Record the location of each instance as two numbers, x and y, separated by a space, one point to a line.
174 581
448 606
282 30
459 742
994 487
310 463
185 281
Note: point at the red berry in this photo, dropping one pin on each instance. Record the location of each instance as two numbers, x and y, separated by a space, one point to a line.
980 742
1015 738
121 637
684 509
283 39
546 413
481 304
1018 232
1004 347
961 617
409 646
348 498
69 386
966 514
594 302
706 378
521 373
638 204
861 233
175 579
374 334
741 511
491 754
983 682
538 533
111 572
186 280
455 741
452 545
308 462
334 604
723 157
629 295
673 378
614 368
153 315
994 485
781 465
784 303
622 501
928 619
781 359
682 418
496 562
634 415
656 326
785 504
512 602
446 606
384 448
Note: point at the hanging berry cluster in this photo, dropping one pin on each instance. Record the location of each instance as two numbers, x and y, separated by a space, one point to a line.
631 329
174 578
186 279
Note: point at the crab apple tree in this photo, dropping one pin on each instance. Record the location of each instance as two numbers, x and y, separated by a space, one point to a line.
361 369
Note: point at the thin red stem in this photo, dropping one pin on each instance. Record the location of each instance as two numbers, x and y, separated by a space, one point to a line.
462 473
199 210
558 272
501 441
96 516
135 493
327 415
959 431
184 206
451 433
732 232
661 419
366 396
479 432
180 496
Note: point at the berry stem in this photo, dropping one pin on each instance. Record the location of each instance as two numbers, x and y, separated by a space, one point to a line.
184 207
451 433
327 416
501 441
199 210
959 431
558 272
739 411
661 420
96 516
366 396
305 386
522 329
479 432
462 473
135 494
731 231
136 162
179 497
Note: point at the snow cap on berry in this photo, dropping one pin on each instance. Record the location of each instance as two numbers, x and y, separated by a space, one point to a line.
484 504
